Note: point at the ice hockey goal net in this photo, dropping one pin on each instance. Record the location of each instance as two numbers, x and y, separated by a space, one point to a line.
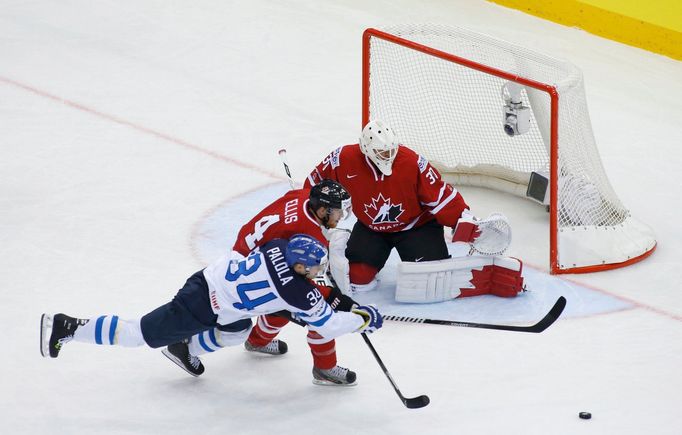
443 89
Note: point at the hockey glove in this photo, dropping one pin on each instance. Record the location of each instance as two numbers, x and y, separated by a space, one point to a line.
466 229
373 319
338 301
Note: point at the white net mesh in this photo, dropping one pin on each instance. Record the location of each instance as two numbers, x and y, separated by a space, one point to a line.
453 115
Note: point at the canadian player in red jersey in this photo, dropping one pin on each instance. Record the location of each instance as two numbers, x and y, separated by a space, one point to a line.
309 211
401 202
300 211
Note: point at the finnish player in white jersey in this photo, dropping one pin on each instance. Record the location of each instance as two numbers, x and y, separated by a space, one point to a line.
215 306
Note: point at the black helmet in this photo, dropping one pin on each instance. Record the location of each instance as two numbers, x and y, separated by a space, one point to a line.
328 193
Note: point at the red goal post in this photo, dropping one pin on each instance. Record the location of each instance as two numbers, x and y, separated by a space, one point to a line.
441 87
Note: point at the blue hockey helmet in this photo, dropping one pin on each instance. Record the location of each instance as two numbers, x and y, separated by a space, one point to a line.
306 250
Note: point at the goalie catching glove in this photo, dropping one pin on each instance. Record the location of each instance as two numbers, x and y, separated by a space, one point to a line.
490 236
372 316
466 229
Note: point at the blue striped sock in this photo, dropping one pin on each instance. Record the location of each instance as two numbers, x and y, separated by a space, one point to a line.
99 330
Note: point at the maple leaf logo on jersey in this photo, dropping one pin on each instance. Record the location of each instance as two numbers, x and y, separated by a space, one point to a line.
382 211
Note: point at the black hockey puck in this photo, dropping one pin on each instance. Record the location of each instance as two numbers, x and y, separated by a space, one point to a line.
585 415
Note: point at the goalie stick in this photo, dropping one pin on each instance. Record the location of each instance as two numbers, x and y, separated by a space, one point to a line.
540 326
409 402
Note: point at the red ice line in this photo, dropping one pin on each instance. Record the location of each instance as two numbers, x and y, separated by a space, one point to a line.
140 128
613 295
236 162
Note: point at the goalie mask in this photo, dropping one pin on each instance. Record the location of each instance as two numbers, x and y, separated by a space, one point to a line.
331 195
380 145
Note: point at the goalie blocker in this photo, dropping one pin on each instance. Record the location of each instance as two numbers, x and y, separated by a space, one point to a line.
442 280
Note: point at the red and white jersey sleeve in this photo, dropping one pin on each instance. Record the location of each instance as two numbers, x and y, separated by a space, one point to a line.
441 199
411 196
280 220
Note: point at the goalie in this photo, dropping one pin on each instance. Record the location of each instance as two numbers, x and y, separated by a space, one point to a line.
401 202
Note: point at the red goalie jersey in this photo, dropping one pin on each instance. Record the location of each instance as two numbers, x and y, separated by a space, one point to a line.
282 219
411 196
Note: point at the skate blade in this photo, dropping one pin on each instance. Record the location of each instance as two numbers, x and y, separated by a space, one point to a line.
326 383
45 332
177 362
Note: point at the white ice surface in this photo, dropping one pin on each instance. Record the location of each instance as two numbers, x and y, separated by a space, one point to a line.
135 136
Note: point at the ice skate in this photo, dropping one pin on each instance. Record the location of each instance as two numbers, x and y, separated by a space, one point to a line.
179 354
335 376
56 331
275 347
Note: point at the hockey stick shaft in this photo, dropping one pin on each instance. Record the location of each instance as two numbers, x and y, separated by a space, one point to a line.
414 402
283 156
540 326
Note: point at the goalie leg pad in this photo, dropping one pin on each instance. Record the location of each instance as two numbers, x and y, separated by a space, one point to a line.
440 280
502 278
507 280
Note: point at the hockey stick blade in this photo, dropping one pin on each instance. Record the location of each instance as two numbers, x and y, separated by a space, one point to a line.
409 402
416 402
540 326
